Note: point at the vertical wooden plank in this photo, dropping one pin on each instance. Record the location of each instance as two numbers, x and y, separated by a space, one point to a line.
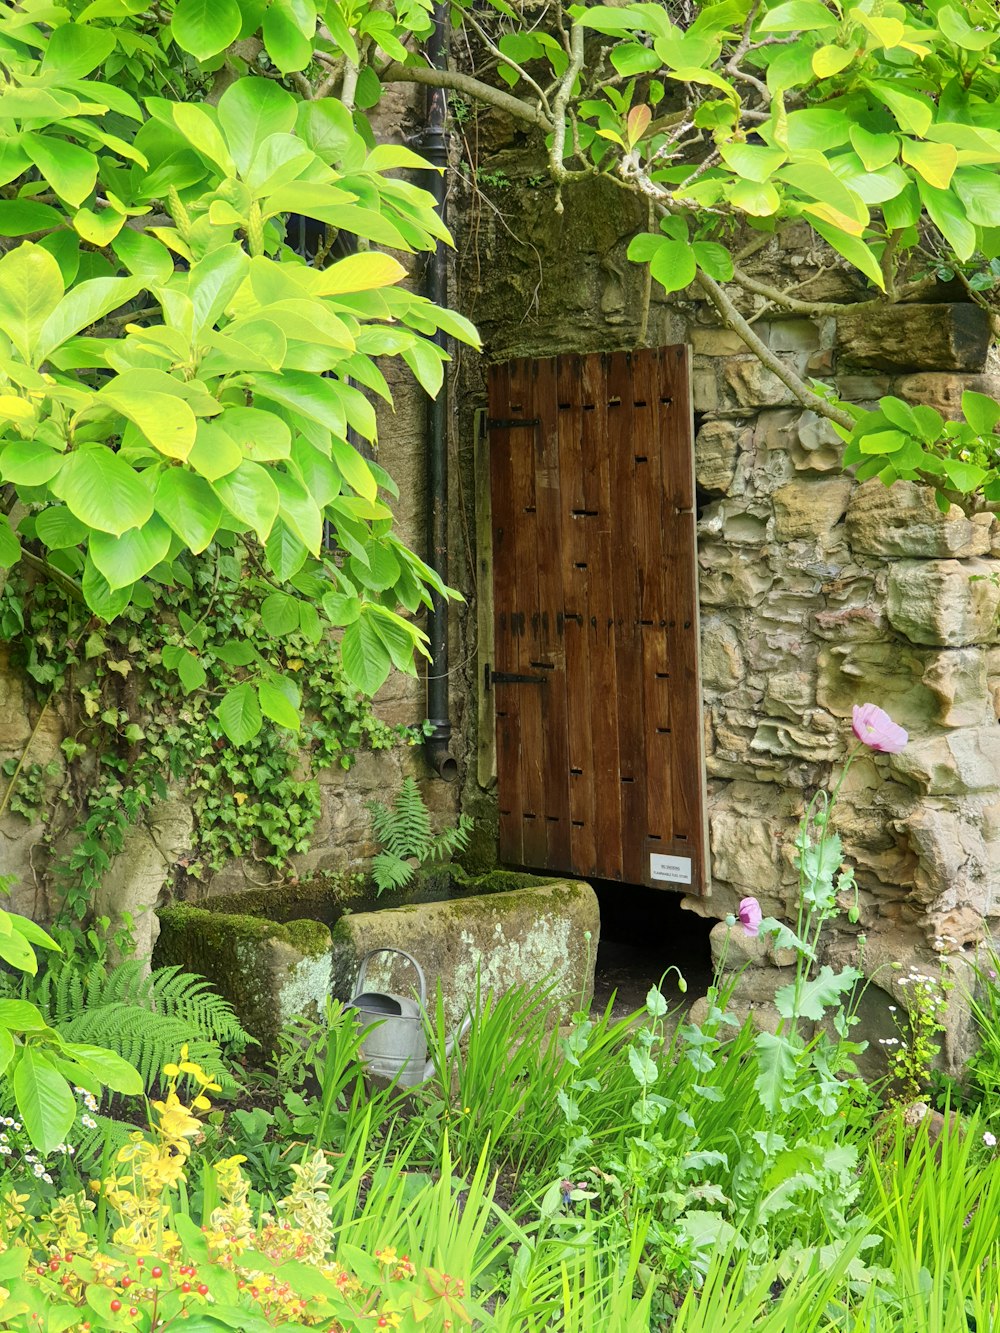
687 790
626 435
505 608
550 663
526 700
650 523
486 745
601 622
575 483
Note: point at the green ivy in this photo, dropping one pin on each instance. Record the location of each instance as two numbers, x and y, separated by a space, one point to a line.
137 727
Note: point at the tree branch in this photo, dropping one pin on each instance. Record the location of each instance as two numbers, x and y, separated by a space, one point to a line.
732 319
795 303
470 87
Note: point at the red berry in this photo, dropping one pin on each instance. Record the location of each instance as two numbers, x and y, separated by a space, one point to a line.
53 1265
126 1282
140 1262
116 1305
157 1272
40 1270
132 1310
185 1286
202 1289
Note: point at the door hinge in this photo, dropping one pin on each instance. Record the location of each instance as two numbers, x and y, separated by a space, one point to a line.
508 678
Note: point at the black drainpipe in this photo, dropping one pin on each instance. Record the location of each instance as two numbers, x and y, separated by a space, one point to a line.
435 149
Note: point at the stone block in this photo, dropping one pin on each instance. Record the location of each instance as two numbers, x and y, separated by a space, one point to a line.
491 942
727 578
957 679
793 335
716 450
947 336
891 673
964 761
747 383
790 694
721 655
810 508
717 342
904 520
943 392
816 445
269 972
945 603
745 852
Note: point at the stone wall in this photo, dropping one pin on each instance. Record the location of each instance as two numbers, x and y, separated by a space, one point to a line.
816 593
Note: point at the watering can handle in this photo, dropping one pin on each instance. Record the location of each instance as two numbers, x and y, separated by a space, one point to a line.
359 985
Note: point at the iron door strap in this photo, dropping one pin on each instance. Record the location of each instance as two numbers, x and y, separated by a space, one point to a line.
510 678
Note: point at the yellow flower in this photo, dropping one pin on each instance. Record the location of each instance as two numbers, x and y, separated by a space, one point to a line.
176 1121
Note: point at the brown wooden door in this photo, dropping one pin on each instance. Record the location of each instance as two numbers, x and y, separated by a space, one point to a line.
595 677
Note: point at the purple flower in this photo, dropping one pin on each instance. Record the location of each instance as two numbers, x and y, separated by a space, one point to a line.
876 729
750 915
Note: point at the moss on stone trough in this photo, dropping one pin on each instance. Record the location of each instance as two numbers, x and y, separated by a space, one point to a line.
488 932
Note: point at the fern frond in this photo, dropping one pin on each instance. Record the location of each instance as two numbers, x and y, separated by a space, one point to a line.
391 872
145 1017
404 828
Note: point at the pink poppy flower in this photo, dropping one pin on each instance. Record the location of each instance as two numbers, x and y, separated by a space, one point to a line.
876 729
750 916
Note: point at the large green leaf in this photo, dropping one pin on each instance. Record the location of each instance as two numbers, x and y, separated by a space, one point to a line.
261 436
101 489
74 50
776 1070
68 168
852 248
279 614
165 418
44 1100
28 463
20 216
816 994
288 35
949 216
239 714
10 547
299 511
31 288
113 1072
206 27
251 110
280 701
365 657
82 306
99 597
190 506
251 496
215 452
125 558
285 553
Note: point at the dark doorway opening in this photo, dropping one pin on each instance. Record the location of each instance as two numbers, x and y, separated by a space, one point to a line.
643 932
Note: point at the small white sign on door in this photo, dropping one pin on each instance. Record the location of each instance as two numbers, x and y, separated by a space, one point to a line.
672 869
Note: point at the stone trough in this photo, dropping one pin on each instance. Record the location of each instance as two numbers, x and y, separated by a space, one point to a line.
279 953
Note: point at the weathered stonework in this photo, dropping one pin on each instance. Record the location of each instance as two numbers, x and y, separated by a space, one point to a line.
816 593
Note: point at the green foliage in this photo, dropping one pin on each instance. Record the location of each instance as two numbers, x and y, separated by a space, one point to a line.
260 799
146 1017
220 401
407 840
38 1062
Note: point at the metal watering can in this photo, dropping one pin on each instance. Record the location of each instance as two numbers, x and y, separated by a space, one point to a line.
397 1048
